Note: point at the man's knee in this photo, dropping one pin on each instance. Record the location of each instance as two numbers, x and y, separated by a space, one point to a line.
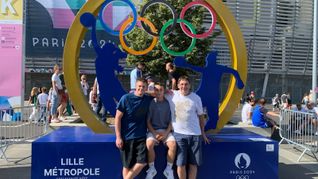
140 165
193 167
172 145
150 144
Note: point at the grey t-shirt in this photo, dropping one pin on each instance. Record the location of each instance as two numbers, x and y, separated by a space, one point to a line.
159 114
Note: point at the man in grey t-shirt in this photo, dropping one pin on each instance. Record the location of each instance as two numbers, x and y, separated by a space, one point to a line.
159 129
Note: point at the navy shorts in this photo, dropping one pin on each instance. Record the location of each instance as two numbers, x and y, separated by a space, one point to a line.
189 149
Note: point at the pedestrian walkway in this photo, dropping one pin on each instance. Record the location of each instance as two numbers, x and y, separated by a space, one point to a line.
289 168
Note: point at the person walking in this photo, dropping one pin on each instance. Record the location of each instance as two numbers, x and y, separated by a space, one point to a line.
57 90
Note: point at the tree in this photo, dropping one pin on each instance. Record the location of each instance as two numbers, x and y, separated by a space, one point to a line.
177 40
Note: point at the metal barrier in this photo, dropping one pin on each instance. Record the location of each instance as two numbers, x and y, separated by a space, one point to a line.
20 124
300 130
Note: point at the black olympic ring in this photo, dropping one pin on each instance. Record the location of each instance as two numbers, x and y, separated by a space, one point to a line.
172 9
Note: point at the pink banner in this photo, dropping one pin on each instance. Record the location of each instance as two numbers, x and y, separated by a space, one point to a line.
10 59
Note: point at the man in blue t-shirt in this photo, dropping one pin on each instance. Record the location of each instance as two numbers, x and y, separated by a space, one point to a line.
131 129
261 115
160 127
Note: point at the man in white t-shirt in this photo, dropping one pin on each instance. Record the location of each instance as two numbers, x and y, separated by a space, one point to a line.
188 125
42 101
247 110
57 86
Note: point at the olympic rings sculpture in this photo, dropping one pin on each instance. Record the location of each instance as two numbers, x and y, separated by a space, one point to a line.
152 31
72 50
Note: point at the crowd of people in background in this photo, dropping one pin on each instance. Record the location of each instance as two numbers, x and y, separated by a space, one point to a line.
55 102
255 113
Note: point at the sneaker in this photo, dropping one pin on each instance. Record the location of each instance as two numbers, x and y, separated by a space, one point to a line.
55 120
151 172
168 172
62 118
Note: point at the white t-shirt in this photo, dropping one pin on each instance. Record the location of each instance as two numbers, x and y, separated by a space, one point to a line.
43 97
56 78
90 100
247 108
85 87
184 113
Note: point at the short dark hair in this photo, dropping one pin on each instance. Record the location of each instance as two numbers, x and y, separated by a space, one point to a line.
262 101
43 89
141 79
140 63
183 77
170 64
250 100
160 84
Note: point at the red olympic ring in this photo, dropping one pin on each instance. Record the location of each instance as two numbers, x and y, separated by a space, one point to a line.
213 17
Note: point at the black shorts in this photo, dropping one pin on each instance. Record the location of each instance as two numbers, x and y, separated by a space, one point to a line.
134 151
270 122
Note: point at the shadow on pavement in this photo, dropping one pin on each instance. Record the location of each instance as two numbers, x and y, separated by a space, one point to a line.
15 173
296 171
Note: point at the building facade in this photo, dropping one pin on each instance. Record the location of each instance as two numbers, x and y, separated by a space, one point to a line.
277 33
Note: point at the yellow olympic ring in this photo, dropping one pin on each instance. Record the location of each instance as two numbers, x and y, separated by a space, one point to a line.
132 51
71 59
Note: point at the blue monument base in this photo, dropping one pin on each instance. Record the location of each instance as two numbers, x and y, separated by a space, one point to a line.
78 153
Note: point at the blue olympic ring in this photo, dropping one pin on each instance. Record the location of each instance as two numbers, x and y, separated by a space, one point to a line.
108 29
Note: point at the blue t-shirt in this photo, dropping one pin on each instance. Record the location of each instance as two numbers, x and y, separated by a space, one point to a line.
159 114
134 120
259 115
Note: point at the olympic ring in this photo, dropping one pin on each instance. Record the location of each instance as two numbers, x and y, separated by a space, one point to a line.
213 16
105 26
72 49
165 48
131 51
172 9
242 177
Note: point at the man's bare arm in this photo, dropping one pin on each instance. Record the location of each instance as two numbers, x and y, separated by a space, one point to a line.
119 140
95 87
202 123
174 84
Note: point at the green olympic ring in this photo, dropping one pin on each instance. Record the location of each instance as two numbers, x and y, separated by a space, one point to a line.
164 46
